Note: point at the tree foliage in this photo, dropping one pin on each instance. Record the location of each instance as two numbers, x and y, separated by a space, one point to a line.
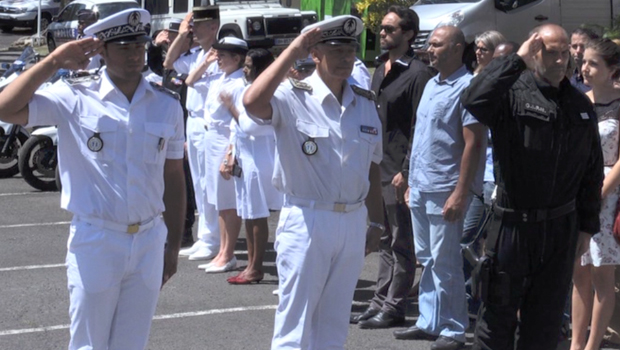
374 10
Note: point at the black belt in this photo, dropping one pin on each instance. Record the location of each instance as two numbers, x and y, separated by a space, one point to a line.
534 215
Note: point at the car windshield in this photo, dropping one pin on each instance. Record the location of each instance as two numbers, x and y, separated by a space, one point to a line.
431 2
107 9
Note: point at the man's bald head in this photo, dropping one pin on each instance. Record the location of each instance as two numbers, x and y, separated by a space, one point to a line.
505 49
551 62
446 47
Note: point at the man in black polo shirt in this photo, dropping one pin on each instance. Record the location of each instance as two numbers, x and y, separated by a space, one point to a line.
398 83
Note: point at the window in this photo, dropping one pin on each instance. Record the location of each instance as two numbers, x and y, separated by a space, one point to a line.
67 13
156 7
509 5
180 6
108 9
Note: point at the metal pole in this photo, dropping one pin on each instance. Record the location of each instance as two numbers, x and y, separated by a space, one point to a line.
39 24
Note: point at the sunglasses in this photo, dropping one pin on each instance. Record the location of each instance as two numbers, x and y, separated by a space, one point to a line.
482 49
388 29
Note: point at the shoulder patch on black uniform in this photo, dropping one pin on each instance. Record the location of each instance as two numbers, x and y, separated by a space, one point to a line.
80 79
298 84
167 91
363 92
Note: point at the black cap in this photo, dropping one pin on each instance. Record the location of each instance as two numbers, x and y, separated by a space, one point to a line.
206 13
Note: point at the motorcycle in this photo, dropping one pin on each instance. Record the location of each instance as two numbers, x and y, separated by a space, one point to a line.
38 159
13 137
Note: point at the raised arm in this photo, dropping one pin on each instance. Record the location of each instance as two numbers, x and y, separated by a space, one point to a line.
181 43
481 98
15 97
200 69
257 99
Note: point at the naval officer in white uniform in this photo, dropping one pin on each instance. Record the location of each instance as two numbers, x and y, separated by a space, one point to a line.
201 25
120 150
328 141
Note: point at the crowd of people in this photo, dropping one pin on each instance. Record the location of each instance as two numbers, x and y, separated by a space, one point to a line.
500 177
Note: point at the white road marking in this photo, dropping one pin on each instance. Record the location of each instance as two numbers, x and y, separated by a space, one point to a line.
157 317
37 224
25 193
31 267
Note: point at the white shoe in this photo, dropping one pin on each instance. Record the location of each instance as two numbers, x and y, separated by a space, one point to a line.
205 266
231 265
191 250
204 253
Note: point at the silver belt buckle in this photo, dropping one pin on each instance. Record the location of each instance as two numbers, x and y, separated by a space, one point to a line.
340 207
131 229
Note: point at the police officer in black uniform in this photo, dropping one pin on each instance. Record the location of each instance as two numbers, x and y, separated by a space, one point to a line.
549 172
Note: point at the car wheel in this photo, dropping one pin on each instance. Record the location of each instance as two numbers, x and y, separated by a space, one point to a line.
45 21
51 44
6 29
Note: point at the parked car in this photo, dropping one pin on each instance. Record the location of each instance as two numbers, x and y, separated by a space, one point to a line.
64 27
513 18
262 23
23 13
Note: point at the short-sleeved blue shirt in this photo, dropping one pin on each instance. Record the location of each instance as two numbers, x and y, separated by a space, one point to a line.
438 142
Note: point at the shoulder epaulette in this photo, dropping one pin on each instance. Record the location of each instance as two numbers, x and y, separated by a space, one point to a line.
163 89
298 84
80 79
363 92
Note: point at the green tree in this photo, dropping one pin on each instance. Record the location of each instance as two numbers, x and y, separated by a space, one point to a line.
374 11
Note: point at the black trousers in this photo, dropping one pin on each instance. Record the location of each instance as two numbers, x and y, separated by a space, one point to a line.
190 214
535 265
396 262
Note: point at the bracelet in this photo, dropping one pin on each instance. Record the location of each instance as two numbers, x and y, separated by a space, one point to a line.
377 225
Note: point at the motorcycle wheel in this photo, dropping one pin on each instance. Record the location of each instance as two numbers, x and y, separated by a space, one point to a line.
37 163
57 179
8 164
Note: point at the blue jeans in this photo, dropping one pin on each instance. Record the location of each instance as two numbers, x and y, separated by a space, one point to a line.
473 219
438 249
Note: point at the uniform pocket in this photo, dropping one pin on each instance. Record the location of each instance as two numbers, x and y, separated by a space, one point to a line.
99 137
156 140
316 138
367 146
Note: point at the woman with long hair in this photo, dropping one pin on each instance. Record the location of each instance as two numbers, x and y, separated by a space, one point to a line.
486 43
593 276
254 149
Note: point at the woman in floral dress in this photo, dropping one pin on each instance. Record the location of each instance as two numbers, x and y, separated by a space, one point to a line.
593 291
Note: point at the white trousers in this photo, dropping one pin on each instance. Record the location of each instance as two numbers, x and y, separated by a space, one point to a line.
320 255
208 224
114 280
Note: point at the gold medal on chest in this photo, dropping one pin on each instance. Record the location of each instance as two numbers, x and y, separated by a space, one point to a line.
95 143
309 147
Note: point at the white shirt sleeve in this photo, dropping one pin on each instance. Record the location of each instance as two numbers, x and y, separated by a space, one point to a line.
176 147
52 105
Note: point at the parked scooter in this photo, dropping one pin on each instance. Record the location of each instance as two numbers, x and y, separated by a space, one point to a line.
38 159
12 137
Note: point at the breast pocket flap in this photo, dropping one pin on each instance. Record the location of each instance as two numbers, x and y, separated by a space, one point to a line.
311 129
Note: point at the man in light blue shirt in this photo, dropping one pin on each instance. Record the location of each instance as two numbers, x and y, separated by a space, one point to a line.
446 169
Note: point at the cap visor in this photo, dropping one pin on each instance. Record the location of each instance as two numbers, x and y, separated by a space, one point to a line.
131 40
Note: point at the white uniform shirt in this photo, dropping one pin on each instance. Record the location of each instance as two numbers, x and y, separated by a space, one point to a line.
348 138
215 113
360 75
124 181
184 65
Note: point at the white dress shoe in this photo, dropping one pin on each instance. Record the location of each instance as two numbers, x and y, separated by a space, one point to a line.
231 265
205 266
204 253
191 250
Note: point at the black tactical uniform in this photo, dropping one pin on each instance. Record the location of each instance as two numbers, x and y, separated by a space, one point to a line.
549 172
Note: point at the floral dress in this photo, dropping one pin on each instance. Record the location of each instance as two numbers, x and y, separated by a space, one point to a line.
604 250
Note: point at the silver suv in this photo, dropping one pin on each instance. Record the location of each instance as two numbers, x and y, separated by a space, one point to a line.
23 13
64 27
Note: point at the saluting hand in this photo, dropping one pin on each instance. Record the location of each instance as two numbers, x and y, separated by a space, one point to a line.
304 42
185 27
76 55
210 57
529 49
162 38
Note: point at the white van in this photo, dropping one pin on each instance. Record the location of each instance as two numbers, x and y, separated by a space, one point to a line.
513 18
262 23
